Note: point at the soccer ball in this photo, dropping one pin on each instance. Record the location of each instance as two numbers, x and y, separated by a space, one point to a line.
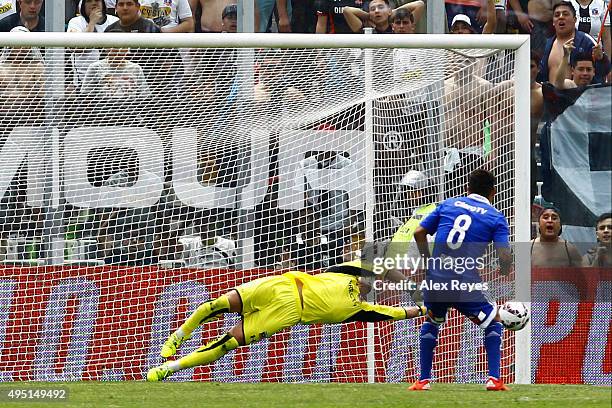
514 315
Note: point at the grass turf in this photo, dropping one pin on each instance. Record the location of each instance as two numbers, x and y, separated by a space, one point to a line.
268 395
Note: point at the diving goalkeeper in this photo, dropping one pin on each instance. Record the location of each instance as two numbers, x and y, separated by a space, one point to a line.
268 305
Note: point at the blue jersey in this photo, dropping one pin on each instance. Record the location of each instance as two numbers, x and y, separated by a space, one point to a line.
464 226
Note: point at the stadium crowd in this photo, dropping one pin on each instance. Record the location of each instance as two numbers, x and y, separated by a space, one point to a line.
570 48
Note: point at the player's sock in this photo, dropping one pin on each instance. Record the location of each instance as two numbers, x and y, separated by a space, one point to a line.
492 341
429 340
209 353
206 312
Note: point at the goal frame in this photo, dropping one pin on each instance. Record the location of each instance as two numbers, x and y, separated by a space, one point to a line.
55 42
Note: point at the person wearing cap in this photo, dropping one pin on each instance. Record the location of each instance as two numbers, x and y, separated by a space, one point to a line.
475 10
416 197
211 12
229 19
173 16
27 17
549 249
379 15
462 24
22 84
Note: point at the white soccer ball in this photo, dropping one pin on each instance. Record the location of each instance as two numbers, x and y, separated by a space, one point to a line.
514 315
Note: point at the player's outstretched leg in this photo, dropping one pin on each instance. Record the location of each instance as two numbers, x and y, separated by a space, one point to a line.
492 341
212 351
206 312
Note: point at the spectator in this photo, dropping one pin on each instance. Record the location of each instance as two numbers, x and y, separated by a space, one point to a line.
475 10
549 249
537 110
130 20
115 77
407 65
166 244
279 9
71 9
92 18
537 99
583 69
601 255
126 237
222 254
308 246
330 18
518 18
173 16
229 19
402 21
210 12
21 225
379 15
462 23
564 21
273 86
21 84
590 20
28 17
414 201
7 8
110 6
161 67
413 191
467 99
331 207
284 262
500 17
303 16
541 14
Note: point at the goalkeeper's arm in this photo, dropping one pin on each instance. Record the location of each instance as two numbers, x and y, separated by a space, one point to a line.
377 313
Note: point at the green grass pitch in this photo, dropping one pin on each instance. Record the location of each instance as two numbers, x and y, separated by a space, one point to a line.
268 395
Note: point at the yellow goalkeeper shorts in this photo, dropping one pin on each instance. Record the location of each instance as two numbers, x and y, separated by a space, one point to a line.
269 305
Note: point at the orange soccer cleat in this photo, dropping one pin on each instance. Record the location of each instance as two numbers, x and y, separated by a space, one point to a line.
420 385
493 384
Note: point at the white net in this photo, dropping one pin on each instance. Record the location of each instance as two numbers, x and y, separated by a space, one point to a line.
138 183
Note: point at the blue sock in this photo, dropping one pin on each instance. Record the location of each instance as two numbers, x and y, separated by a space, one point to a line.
492 341
429 340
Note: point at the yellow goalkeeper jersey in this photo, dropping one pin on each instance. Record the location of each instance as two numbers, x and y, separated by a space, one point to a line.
332 297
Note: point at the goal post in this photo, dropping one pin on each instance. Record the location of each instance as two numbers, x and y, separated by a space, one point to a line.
523 205
143 174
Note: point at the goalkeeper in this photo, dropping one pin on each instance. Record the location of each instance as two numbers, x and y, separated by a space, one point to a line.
271 304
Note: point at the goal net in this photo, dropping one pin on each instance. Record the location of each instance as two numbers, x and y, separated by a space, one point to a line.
138 182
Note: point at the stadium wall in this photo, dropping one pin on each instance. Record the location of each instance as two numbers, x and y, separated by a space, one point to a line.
108 323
